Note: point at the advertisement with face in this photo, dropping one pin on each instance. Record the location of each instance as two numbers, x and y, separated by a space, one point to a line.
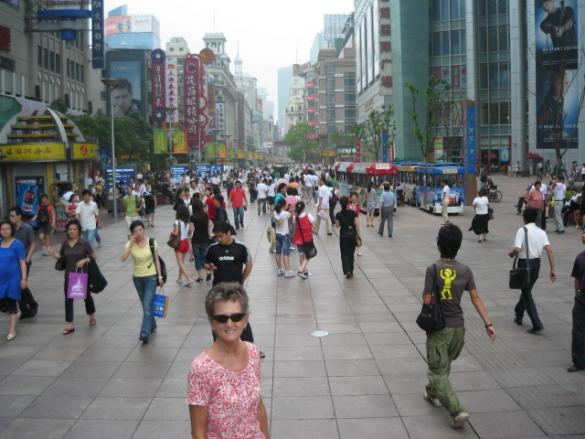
127 95
557 81
28 192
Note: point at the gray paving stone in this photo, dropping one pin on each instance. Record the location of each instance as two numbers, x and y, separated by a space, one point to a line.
168 409
12 405
510 424
305 428
561 421
304 407
131 388
316 386
299 369
369 406
361 385
56 408
482 401
163 430
42 368
66 386
103 429
432 427
37 428
545 397
346 368
373 428
117 408
20 385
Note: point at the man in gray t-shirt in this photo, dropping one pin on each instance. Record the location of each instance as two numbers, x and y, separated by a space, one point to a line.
453 279
448 279
24 233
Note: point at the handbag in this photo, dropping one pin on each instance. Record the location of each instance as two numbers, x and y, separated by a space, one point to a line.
520 276
174 241
309 248
431 318
160 305
60 265
77 285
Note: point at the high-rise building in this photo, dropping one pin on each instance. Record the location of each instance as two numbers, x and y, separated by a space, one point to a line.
285 75
123 31
296 107
330 36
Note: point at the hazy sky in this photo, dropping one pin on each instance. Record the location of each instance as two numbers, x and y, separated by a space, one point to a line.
270 32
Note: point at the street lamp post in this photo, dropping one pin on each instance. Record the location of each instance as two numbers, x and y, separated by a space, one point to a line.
112 84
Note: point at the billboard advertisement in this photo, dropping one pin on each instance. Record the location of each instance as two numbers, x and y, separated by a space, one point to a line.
28 193
172 89
129 95
131 23
557 88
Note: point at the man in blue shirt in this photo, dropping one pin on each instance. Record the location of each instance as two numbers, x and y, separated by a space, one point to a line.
387 203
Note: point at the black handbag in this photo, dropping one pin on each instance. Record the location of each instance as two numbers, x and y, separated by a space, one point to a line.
309 248
60 265
431 318
520 276
163 266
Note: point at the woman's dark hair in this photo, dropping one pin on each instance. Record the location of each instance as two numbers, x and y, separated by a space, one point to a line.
179 196
449 241
226 292
299 207
343 202
281 186
44 196
278 207
12 227
530 215
482 192
219 198
183 213
75 223
198 209
134 224
353 193
73 195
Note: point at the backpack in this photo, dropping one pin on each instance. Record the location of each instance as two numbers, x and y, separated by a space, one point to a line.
43 216
163 266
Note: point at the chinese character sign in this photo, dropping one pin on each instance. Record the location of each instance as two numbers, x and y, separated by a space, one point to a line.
191 95
172 89
97 34
470 157
158 85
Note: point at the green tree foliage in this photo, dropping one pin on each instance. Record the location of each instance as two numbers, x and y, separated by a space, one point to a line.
300 147
59 105
433 99
133 134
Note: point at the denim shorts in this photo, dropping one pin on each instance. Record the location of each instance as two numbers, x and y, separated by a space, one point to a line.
282 244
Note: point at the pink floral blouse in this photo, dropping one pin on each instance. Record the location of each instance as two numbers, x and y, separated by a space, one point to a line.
231 397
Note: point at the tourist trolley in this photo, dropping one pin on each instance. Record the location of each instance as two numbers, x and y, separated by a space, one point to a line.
429 187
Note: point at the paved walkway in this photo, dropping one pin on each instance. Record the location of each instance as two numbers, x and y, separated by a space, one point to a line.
364 380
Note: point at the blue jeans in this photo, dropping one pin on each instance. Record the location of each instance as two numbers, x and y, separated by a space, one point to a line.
282 244
90 236
239 217
199 251
146 288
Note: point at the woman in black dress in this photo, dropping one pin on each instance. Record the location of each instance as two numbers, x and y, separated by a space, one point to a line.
345 221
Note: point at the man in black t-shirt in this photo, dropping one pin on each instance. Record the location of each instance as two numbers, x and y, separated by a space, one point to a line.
230 261
578 342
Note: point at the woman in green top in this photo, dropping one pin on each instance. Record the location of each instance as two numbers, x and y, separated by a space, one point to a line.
146 275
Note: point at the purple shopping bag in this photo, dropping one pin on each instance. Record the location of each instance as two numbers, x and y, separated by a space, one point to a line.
77 285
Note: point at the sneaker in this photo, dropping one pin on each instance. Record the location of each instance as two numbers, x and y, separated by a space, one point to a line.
302 275
143 339
459 419
431 399
289 274
280 272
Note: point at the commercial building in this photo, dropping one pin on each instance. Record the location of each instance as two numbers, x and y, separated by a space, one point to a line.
499 58
296 107
285 75
123 31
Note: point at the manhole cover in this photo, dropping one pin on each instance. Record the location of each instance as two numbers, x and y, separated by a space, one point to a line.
319 334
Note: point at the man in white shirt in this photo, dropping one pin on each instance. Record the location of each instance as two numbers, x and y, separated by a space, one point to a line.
262 194
537 242
323 208
308 188
87 213
559 190
445 196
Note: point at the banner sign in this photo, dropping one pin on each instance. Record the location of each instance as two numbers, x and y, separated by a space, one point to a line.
470 157
172 90
162 138
158 72
84 151
557 74
97 34
191 95
358 149
28 193
33 152
385 139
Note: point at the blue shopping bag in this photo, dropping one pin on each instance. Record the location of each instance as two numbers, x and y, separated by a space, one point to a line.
160 305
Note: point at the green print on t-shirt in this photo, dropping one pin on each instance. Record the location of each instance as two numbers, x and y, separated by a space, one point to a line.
448 275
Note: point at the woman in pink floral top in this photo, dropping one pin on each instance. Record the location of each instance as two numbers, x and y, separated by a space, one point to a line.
224 396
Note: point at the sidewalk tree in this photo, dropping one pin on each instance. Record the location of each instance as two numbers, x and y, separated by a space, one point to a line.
433 99
379 122
299 142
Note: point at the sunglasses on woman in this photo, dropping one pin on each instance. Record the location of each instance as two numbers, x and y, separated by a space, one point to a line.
223 318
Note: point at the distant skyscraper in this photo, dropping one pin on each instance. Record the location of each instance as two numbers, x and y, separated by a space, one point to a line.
285 75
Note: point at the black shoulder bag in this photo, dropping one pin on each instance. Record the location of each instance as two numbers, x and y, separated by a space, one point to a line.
431 318
163 266
520 276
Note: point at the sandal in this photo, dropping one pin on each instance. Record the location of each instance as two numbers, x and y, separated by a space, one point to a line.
68 331
92 321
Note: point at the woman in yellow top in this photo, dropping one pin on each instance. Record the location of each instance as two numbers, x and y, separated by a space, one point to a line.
146 274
